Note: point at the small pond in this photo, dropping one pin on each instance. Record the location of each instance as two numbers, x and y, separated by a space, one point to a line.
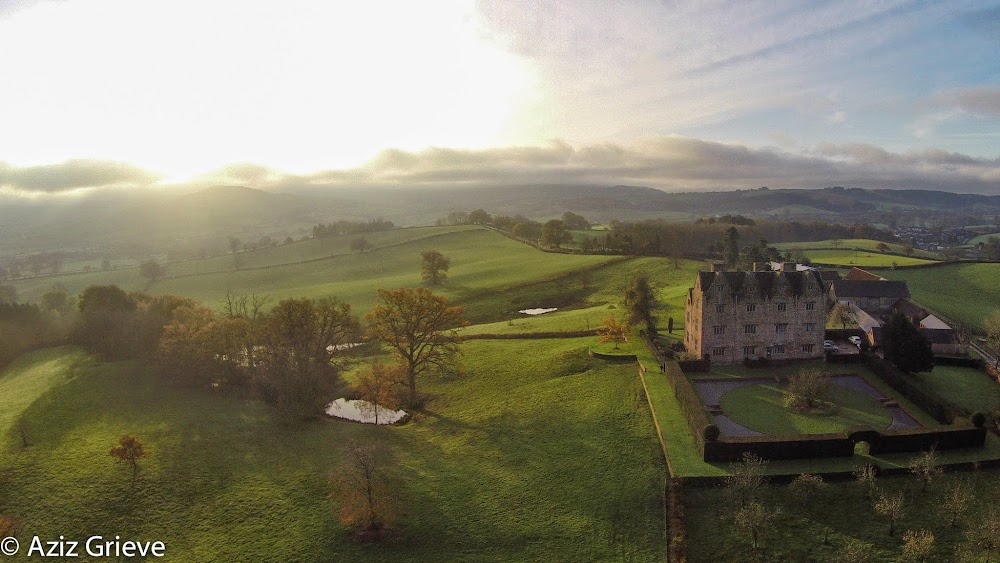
538 311
363 411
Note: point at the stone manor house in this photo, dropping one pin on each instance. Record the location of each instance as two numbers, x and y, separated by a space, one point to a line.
780 315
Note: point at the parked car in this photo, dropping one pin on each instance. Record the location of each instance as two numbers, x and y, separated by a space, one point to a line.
856 340
829 346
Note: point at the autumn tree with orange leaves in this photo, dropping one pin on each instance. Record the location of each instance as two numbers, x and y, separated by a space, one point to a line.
420 327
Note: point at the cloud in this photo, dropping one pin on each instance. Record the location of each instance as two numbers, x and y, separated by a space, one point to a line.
73 174
665 162
983 100
671 162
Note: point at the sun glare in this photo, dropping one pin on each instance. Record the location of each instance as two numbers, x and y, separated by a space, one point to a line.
184 87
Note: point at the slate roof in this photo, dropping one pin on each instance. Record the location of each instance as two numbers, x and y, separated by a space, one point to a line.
870 288
861 275
765 283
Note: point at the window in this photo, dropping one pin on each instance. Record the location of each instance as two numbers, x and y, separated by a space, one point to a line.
751 307
749 329
811 306
719 351
748 351
782 307
720 308
810 327
720 329
781 328
778 349
808 348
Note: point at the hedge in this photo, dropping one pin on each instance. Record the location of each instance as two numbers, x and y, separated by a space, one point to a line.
797 446
691 404
793 446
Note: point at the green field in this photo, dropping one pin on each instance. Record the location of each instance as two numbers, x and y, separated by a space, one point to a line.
539 453
851 244
970 388
963 292
762 408
982 238
482 261
862 258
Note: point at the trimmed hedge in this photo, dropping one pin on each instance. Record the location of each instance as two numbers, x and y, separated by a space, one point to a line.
798 446
923 439
691 405
962 362
935 405
794 446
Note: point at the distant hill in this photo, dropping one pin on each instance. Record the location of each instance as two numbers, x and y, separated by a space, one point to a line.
148 221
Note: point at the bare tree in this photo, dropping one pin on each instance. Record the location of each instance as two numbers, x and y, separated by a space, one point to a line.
865 477
891 507
361 485
754 520
379 386
926 467
983 538
855 551
806 487
746 478
956 503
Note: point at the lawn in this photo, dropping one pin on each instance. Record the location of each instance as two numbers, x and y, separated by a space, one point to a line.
862 258
762 408
539 453
961 292
965 387
851 244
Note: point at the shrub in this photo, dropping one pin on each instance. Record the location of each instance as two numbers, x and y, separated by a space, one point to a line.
711 433
978 419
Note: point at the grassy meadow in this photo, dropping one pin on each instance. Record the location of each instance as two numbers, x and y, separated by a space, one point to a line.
539 453
481 261
862 258
963 292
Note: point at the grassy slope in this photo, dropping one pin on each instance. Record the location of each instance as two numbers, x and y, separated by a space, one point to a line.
850 244
965 387
540 453
962 292
862 258
983 238
481 261
589 298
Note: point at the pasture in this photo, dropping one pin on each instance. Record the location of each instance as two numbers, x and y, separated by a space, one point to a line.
539 453
962 292
862 258
481 260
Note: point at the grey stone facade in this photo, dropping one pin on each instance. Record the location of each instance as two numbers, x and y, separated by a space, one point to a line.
730 316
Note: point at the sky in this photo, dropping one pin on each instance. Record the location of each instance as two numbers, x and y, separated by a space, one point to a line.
676 95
